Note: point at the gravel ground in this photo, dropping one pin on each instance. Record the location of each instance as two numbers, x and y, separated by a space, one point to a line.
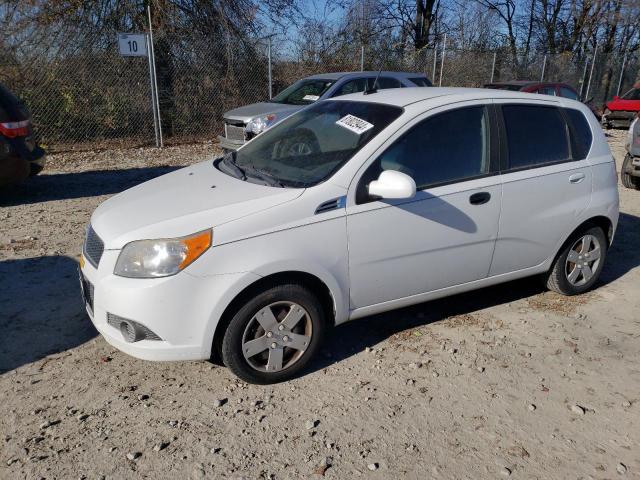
509 381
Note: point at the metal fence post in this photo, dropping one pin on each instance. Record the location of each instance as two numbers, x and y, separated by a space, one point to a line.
544 66
155 77
362 58
624 61
493 66
584 77
269 59
435 61
444 49
595 52
152 90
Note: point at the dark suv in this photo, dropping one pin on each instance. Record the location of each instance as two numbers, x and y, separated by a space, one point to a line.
20 155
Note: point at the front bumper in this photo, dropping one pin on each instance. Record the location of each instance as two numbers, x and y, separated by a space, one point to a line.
183 310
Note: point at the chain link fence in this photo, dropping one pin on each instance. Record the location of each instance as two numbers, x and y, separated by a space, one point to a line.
99 99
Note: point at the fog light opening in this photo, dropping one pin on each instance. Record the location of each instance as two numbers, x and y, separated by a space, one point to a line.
129 332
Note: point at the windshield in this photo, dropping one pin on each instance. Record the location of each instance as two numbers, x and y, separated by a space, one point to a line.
308 147
303 92
633 94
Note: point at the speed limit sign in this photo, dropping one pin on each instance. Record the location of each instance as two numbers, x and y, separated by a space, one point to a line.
132 44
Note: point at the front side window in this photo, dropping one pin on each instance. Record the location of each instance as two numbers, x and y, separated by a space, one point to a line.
633 94
447 147
352 86
568 93
421 81
303 92
547 90
309 146
536 135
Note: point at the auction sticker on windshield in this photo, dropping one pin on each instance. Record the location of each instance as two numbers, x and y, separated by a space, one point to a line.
313 98
355 124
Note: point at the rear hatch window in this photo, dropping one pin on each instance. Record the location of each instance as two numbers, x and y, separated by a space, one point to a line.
11 108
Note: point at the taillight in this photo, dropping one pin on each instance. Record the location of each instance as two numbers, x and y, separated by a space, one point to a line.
15 129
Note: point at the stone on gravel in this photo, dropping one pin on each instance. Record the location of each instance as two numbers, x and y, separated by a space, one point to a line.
621 468
577 409
219 402
531 407
505 472
373 467
309 424
626 404
133 455
160 446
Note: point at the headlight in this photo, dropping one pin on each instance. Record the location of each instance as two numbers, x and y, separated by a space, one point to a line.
260 124
161 258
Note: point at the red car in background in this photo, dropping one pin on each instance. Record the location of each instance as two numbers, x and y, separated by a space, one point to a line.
544 88
620 112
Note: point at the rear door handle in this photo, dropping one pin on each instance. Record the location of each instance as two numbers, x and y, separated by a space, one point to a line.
576 178
479 198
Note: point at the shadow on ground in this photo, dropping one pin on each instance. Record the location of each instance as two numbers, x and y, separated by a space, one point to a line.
352 337
64 186
41 310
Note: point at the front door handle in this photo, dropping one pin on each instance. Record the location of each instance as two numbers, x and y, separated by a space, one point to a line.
479 198
576 177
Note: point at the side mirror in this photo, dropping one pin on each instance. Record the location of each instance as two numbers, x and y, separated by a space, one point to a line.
393 184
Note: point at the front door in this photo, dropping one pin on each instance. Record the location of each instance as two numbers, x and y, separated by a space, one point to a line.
445 235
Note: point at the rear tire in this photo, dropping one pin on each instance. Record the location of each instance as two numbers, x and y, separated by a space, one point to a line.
579 263
35 169
629 181
274 335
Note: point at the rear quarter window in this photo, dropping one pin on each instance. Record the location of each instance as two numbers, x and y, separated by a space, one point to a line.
536 136
581 137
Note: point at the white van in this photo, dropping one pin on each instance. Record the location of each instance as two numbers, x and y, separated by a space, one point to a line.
349 208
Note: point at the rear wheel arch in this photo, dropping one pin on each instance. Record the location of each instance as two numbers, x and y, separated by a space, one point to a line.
310 281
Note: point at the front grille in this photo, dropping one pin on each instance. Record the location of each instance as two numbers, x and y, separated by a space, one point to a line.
93 247
234 132
87 291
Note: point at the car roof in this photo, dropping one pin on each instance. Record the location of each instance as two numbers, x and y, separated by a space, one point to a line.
525 83
402 97
366 73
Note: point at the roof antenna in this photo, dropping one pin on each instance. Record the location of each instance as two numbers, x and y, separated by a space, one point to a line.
374 87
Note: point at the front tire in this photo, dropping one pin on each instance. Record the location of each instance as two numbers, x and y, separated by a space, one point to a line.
629 181
579 264
274 335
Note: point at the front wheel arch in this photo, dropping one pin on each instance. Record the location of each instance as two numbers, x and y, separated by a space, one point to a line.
313 283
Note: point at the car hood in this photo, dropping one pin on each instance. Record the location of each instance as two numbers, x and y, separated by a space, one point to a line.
621 104
254 110
181 203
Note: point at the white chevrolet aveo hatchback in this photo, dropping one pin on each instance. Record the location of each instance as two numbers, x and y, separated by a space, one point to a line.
348 208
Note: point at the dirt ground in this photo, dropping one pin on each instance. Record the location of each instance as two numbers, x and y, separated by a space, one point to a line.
509 381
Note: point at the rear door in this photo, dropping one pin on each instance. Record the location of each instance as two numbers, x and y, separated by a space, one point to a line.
546 184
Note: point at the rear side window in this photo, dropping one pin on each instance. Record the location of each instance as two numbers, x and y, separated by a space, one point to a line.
568 93
352 86
11 108
421 81
581 137
386 82
535 136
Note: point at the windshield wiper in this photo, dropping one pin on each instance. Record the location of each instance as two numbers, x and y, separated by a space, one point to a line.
230 161
269 179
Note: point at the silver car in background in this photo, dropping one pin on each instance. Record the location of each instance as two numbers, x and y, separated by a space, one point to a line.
244 123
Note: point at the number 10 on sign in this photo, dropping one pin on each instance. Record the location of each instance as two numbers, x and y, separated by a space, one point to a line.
132 44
